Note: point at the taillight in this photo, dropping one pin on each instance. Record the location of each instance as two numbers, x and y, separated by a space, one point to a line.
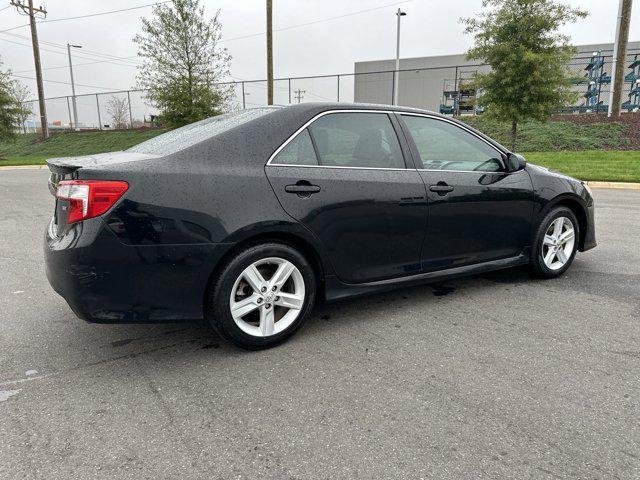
89 198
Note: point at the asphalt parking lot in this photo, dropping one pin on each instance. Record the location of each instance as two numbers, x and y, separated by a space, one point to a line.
485 377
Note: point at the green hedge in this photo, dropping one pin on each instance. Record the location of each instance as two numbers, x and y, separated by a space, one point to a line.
553 135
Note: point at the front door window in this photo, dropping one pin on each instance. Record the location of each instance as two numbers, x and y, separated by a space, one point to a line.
445 146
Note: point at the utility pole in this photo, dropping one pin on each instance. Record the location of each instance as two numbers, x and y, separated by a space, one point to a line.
31 11
73 88
299 94
396 74
269 52
619 56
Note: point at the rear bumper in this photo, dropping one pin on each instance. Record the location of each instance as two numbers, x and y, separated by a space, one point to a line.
106 281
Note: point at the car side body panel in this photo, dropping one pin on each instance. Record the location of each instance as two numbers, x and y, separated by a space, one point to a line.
552 188
153 255
371 222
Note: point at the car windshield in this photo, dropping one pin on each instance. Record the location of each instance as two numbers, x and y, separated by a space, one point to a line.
183 137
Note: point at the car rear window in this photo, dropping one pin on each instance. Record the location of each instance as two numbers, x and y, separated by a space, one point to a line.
183 137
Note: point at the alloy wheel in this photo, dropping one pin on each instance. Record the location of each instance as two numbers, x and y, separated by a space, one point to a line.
558 243
267 297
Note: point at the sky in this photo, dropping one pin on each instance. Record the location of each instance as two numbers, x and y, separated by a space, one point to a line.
311 37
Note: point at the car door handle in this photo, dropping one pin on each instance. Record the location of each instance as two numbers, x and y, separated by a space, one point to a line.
441 188
302 188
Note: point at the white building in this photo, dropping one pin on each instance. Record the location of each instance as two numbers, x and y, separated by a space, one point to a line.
423 80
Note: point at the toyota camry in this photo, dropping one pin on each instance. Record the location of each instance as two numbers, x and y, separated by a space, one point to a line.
249 218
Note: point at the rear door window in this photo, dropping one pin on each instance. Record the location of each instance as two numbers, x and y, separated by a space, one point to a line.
356 140
298 151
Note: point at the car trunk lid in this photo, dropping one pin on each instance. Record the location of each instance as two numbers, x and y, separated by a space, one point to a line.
70 168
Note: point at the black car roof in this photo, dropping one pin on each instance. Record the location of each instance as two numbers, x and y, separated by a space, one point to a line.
253 142
323 106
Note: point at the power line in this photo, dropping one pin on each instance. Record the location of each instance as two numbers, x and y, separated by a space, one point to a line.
14 28
85 53
328 19
320 96
107 58
68 83
88 57
79 65
93 53
89 15
105 13
90 54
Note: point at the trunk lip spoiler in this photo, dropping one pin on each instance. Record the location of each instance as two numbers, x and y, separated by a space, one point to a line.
66 165
59 166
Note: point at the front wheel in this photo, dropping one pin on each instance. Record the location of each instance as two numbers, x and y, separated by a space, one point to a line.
262 296
555 243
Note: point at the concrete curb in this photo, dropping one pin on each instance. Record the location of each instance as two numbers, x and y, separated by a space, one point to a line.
614 185
22 167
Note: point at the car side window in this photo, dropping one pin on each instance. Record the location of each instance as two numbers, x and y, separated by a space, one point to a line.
298 151
357 140
445 146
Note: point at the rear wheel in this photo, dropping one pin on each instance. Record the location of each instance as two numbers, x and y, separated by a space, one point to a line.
262 296
555 243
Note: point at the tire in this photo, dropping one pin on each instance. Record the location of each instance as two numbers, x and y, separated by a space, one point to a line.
544 262
255 322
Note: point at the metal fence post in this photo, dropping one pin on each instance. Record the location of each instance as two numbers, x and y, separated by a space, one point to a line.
338 88
600 75
69 109
456 101
244 105
99 119
130 116
289 90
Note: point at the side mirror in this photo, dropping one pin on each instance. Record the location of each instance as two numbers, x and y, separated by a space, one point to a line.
515 162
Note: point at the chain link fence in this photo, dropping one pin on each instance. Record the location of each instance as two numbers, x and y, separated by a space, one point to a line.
447 89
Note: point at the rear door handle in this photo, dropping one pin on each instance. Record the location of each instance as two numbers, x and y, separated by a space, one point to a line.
302 188
441 188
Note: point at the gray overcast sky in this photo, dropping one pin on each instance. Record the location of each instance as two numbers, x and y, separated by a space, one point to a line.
430 28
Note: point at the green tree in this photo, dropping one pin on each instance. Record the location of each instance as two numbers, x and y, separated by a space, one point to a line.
182 62
23 94
11 110
520 40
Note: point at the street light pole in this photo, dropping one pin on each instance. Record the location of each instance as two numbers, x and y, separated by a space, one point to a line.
396 74
73 87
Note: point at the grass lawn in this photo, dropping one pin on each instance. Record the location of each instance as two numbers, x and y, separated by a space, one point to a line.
24 160
73 143
597 165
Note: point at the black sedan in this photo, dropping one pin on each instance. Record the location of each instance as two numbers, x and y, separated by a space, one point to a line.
247 219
